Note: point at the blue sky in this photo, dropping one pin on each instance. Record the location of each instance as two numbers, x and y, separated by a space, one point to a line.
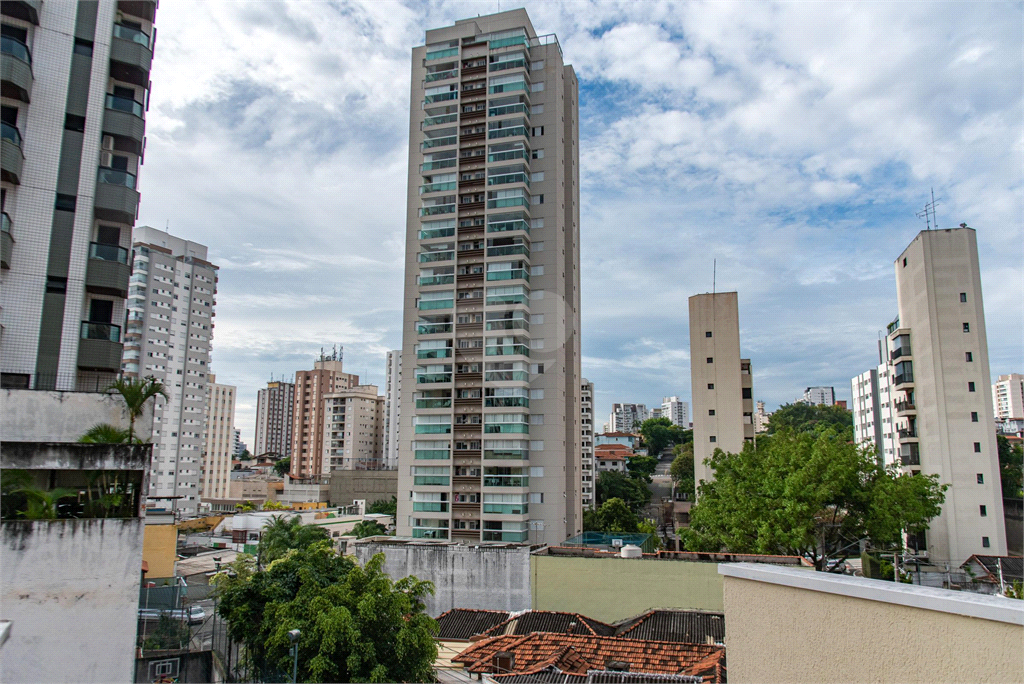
792 142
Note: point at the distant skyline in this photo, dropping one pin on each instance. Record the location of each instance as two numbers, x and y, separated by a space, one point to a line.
794 143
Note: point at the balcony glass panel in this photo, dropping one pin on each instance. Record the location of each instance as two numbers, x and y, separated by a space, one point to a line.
439 142
437 210
108 253
507 509
507 428
507 155
508 324
431 454
431 480
507 402
509 64
507 454
436 304
502 226
507 109
425 378
101 331
506 481
512 274
418 533
509 178
426 257
507 350
507 132
505 42
439 164
507 87
124 104
15 48
428 233
441 75
437 279
504 375
433 328
440 54
134 35
507 202
506 250
441 97
434 353
116 177
430 506
9 132
433 403
441 429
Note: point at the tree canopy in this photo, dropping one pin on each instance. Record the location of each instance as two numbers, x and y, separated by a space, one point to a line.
810 495
801 417
283 466
385 507
1011 468
368 528
356 623
104 433
614 485
682 469
286 532
659 434
641 467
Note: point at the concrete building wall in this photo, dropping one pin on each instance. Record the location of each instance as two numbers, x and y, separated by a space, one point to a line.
71 590
813 627
392 407
218 440
627 417
819 396
717 378
353 430
347 486
610 589
39 416
494 578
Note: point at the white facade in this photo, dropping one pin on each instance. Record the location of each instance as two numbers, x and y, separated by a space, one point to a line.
169 337
490 447
677 411
874 413
353 429
761 419
1008 397
219 440
819 396
938 365
275 406
587 484
627 417
392 408
74 79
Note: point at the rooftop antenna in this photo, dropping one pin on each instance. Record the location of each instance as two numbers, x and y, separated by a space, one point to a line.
714 276
167 226
928 214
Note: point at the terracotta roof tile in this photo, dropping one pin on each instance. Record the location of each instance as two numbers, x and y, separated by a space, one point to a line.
550 621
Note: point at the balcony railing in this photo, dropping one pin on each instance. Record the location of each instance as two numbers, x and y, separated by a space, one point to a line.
508 202
125 104
108 252
509 178
508 324
430 233
426 257
437 280
101 331
496 133
433 328
436 304
437 209
507 509
892 327
907 433
507 109
433 429
506 481
438 54
507 454
439 164
508 154
507 428
10 132
439 142
905 406
513 274
897 353
441 75
134 35
434 404
15 48
116 177
507 250
431 454
508 350
502 376
427 378
441 97
504 402
509 64
904 378
434 353
502 226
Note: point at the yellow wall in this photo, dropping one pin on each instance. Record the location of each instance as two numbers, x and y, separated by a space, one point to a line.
308 505
159 549
610 589
780 634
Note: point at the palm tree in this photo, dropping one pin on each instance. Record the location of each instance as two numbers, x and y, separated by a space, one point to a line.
104 433
136 392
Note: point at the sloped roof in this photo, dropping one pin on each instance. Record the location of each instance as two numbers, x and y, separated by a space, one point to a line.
1013 566
531 621
539 650
678 626
459 624
553 675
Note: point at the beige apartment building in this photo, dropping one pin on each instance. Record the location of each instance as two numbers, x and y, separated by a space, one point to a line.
938 363
587 484
490 447
307 448
1008 397
218 440
275 406
721 383
353 430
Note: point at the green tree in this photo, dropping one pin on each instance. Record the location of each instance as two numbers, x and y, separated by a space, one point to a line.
136 392
283 466
384 507
245 455
612 516
615 485
647 526
42 503
801 417
641 467
104 433
1011 468
682 469
270 505
810 495
357 624
368 528
659 434
169 634
245 506
285 533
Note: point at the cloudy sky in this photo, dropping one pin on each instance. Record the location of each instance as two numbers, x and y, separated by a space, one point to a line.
792 142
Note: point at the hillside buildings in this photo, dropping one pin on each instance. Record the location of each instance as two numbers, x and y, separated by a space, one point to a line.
168 336
491 328
587 482
392 407
75 80
677 411
819 396
307 448
275 412
1008 397
761 419
721 382
353 429
219 440
627 417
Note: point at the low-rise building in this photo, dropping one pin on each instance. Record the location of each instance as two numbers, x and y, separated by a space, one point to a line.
612 457
628 439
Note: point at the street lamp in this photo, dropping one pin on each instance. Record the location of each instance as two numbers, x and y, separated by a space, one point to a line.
294 635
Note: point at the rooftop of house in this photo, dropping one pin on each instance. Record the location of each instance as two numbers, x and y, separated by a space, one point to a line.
459 624
618 434
679 626
203 563
581 654
530 621
553 675
1012 567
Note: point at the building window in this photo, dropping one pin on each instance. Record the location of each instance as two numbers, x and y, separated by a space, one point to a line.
983 510
967 327
711 412
977 447
984 542
904 262
711 359
970 387
969 356
713 438
981 478
707 334
711 385
747 393
963 297
974 416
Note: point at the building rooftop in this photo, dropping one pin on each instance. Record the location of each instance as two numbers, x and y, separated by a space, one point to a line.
1012 567
553 675
203 563
678 626
530 621
459 624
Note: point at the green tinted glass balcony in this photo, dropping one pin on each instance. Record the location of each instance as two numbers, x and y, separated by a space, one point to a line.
507 109
505 42
507 428
507 509
434 353
101 331
437 120
427 257
507 454
436 280
429 378
491 535
439 164
441 75
506 155
433 429
431 480
496 133
441 97
418 533
436 304
430 506
504 376
437 210
513 274
509 178
508 324
116 177
507 402
440 54
438 142
507 87
437 187
509 64
125 104
507 299
430 233
433 328
507 250
507 202
506 481
508 350
503 226
433 403
432 454
134 35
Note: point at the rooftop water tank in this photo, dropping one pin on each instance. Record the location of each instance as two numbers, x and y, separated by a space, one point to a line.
631 551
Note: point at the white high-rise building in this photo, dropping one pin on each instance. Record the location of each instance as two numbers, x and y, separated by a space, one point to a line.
677 411
75 80
275 410
874 411
490 447
219 444
1008 397
353 429
938 365
392 408
587 484
819 396
627 417
168 336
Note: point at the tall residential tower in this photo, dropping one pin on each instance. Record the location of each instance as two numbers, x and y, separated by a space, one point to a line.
392 408
490 447
275 409
308 413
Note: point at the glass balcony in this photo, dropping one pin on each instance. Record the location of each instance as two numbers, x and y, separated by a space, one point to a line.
427 257
11 133
124 104
436 304
509 178
513 274
432 454
433 429
116 177
507 109
15 48
434 353
505 42
507 155
441 75
440 54
507 402
507 454
441 97
430 233
506 481
437 187
134 35
507 299
439 142
508 202
430 506
502 226
502 376
507 428
508 64
507 87
101 331
433 403
439 164
508 324
507 250
108 252
433 328
508 350
496 133
427 378
437 210
431 480
436 280
438 120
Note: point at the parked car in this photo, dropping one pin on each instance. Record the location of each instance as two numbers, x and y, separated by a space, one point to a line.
194 614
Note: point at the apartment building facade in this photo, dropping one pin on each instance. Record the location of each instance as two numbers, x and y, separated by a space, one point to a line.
353 430
491 445
73 105
308 414
587 473
721 381
169 336
819 396
677 411
938 365
392 407
219 440
627 417
1008 397
275 412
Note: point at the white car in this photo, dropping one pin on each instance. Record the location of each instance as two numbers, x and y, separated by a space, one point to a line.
194 614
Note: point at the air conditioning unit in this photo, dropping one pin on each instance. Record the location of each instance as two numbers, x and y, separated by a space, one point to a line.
108 142
106 159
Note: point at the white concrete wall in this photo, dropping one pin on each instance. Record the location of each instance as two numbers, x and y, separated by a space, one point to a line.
34 416
71 590
463 576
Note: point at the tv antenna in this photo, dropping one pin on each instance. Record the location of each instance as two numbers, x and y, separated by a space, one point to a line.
714 276
928 213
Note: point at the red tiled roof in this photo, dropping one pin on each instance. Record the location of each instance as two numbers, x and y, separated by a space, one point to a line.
618 434
539 650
